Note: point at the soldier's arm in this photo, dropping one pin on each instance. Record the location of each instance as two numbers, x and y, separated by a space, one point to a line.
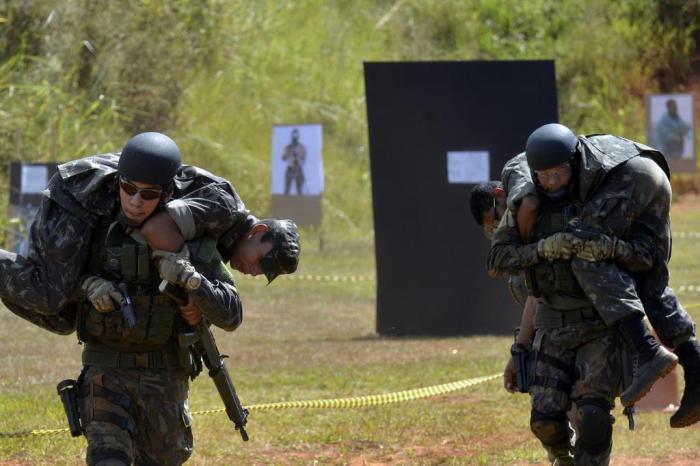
637 253
210 210
508 255
217 296
521 194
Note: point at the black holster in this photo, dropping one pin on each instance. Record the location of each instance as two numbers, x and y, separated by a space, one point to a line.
521 358
68 391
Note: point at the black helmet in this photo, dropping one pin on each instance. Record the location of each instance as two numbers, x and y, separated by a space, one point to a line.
550 145
284 255
151 158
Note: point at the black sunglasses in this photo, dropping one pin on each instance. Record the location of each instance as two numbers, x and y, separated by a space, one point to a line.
147 194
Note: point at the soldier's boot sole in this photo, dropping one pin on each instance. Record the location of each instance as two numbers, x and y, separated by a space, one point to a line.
689 411
657 367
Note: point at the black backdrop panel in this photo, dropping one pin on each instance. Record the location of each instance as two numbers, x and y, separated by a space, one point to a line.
431 256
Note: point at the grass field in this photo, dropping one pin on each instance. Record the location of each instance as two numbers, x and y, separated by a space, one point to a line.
307 340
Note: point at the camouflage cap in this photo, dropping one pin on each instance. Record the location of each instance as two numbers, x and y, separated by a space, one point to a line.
284 255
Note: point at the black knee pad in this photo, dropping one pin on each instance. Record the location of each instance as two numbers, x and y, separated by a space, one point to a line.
594 425
109 457
550 429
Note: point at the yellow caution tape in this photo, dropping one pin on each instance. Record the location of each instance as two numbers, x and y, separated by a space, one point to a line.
331 403
687 288
323 278
686 234
367 400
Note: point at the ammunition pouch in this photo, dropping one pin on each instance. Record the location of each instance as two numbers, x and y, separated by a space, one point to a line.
154 327
555 276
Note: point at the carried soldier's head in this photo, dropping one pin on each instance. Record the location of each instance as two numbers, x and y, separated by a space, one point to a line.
551 153
271 247
487 202
147 166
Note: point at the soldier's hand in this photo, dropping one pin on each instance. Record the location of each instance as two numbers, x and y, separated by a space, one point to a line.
599 249
509 376
191 313
559 246
102 294
175 268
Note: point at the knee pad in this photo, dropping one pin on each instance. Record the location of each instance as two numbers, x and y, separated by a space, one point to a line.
549 429
594 425
109 457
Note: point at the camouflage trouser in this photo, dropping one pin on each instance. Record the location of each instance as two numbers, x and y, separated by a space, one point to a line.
137 416
634 200
573 363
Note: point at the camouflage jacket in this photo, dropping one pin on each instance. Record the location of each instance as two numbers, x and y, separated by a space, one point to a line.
82 193
600 154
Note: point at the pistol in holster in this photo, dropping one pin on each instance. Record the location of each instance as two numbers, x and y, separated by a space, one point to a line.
68 391
521 358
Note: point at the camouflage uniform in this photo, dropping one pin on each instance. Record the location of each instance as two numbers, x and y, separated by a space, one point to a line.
517 183
576 354
43 286
627 196
134 387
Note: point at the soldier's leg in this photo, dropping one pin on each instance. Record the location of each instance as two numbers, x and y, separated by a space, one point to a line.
163 418
676 329
48 277
673 325
62 323
599 372
105 406
549 392
614 296
618 207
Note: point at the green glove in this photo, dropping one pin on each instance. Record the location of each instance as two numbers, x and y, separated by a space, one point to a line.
559 246
600 249
102 293
175 268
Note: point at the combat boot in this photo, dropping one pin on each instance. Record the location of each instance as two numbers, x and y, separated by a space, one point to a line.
689 411
653 361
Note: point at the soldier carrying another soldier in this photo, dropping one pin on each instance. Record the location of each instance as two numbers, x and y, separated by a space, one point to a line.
135 377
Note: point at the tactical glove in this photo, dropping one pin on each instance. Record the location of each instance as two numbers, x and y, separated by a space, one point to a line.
102 293
559 246
603 248
175 268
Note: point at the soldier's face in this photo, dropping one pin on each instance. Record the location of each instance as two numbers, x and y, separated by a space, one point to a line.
248 252
556 178
134 206
491 218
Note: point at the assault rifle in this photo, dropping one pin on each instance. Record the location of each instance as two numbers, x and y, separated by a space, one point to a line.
201 337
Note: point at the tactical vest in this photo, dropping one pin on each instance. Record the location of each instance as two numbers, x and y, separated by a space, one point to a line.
119 257
554 280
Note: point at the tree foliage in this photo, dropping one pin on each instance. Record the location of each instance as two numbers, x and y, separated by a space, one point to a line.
79 77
